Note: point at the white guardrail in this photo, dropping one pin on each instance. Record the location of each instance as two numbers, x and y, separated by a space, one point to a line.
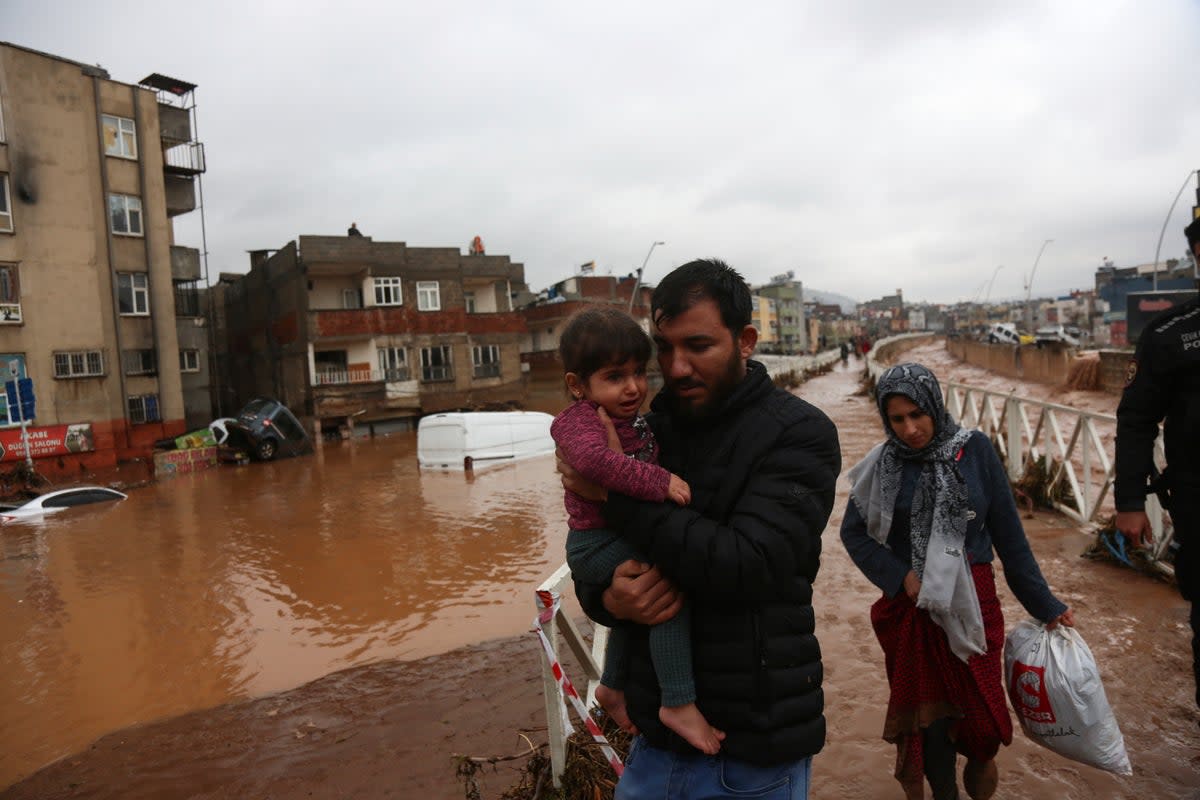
1071 440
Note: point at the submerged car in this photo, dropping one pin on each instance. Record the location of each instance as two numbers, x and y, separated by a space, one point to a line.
1067 334
52 502
267 429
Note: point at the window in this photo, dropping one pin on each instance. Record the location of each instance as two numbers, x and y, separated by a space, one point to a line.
393 363
469 301
133 293
10 294
352 298
6 220
189 360
125 213
387 292
138 362
143 408
187 299
435 364
429 296
12 367
78 364
120 137
486 358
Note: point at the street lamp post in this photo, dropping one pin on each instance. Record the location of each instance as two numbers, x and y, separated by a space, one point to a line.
1029 286
637 283
987 296
1171 210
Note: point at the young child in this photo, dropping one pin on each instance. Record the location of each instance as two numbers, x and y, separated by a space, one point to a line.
604 352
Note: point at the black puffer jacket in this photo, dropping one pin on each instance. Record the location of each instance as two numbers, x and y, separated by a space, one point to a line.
746 551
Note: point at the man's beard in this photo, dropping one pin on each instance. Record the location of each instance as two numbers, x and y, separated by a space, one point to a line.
718 391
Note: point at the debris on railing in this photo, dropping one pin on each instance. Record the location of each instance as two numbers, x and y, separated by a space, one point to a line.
1110 545
1045 487
587 775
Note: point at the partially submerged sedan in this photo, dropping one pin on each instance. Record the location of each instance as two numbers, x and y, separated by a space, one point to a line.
53 502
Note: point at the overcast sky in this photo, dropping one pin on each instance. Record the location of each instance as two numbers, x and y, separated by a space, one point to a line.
868 146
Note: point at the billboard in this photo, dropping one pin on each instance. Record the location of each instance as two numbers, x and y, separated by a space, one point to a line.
1145 306
52 440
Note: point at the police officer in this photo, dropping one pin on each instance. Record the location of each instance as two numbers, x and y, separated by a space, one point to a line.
1163 382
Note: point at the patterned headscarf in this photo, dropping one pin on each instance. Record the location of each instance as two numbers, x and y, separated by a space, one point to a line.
940 509
941 495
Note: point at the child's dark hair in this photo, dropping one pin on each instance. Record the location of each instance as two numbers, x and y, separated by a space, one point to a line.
596 337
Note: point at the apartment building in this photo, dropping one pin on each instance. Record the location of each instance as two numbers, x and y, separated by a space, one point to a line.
765 320
90 179
792 335
367 335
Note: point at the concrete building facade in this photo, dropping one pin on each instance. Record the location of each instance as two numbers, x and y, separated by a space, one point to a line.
788 295
87 306
358 334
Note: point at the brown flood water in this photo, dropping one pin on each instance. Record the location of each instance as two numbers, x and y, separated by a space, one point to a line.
245 580
242 581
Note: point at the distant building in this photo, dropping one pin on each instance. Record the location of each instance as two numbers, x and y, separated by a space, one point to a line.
788 294
1115 284
764 319
92 171
359 334
547 314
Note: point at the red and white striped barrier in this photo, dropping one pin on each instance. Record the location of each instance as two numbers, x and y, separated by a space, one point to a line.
548 604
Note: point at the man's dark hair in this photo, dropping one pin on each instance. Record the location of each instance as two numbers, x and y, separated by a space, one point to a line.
596 337
1192 232
705 279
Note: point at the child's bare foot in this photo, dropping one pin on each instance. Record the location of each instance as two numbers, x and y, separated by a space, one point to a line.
689 723
613 703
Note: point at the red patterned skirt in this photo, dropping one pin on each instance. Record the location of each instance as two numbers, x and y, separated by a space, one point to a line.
928 682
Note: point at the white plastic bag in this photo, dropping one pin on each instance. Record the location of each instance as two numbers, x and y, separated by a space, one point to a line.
1054 687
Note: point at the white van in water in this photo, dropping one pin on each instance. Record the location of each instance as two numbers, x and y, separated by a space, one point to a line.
476 439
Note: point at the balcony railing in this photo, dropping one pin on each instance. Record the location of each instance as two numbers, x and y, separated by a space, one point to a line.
341 377
185 159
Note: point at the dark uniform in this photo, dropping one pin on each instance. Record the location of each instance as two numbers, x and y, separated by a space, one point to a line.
1164 383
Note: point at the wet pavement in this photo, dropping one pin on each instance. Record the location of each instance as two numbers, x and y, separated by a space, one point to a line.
226 585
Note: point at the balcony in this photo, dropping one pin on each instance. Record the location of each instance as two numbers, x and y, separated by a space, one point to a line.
344 377
174 124
180 194
184 159
185 263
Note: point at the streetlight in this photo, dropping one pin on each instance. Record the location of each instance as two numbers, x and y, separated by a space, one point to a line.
993 280
1029 286
1170 211
637 283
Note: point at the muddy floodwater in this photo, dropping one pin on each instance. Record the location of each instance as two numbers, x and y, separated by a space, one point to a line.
242 582
245 580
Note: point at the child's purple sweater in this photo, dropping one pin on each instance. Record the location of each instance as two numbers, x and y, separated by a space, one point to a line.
580 435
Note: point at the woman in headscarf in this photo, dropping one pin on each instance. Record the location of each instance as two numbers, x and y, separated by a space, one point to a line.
927 507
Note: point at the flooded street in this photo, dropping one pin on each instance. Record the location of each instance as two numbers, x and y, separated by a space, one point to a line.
245 580
234 584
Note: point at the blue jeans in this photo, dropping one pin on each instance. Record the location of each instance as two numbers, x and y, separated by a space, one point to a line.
653 774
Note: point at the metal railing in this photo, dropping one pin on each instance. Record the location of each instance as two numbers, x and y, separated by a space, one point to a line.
590 657
1071 443
1071 440
187 158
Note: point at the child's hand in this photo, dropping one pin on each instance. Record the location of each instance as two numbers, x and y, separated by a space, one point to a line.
679 491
